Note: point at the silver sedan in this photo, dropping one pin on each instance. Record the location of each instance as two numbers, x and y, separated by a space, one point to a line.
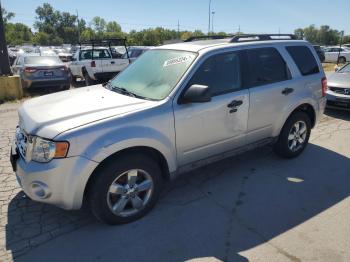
338 92
42 72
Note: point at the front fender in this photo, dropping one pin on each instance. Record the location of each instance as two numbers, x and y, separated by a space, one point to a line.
128 137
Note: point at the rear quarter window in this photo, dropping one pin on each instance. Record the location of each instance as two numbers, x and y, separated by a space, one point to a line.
304 59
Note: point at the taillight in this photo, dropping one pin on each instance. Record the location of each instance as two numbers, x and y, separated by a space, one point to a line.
29 69
324 86
93 64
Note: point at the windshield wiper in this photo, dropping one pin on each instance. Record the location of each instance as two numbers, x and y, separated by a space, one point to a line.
124 91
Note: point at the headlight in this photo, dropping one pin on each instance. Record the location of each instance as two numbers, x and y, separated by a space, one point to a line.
45 150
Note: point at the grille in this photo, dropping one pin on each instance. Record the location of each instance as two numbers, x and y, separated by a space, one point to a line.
339 90
21 141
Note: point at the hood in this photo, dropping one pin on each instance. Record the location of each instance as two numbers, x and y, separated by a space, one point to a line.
49 115
339 80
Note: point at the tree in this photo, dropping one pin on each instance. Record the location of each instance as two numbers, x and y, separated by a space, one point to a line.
322 36
17 34
6 16
98 24
113 27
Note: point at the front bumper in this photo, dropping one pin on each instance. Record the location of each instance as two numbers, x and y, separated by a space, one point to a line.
60 182
338 100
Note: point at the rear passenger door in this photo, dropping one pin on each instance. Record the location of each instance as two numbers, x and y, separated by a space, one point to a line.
271 88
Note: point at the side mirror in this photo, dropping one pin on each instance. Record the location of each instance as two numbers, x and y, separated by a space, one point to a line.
196 94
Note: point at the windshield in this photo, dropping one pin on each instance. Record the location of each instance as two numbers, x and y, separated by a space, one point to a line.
42 60
345 69
155 73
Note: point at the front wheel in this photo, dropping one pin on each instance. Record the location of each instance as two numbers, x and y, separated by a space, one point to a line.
294 136
125 189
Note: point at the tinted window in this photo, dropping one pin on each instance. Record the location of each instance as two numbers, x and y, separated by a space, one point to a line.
98 54
265 66
304 59
220 72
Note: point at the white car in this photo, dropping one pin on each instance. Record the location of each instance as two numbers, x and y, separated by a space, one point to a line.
332 53
96 64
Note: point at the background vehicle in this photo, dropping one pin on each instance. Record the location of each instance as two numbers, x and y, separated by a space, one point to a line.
347 45
338 92
41 72
320 53
134 52
98 63
332 53
176 108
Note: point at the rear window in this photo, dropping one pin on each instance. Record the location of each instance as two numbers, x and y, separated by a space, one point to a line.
304 59
42 60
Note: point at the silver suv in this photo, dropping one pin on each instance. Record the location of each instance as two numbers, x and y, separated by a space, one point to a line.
174 109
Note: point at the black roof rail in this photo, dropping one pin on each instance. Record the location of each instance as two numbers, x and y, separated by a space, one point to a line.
207 37
245 37
262 37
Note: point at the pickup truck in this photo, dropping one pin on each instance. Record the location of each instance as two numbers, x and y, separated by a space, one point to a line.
96 64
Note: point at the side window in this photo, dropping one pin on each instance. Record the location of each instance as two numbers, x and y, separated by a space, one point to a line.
101 54
304 59
265 66
220 72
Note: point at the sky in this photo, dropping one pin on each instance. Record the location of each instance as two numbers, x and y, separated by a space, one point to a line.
251 16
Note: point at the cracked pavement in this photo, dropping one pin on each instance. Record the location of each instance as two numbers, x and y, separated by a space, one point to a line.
253 207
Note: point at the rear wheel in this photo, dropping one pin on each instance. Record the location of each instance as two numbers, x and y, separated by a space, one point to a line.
342 60
88 80
294 136
126 189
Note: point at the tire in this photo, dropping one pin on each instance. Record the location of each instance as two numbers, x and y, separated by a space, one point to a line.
116 176
342 60
88 80
66 87
284 145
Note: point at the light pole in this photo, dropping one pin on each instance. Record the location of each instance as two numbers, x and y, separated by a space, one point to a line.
209 16
4 57
212 22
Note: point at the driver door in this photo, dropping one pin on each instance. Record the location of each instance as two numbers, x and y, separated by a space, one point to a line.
210 128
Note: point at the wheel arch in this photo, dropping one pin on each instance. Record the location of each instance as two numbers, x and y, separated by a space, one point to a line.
305 107
145 150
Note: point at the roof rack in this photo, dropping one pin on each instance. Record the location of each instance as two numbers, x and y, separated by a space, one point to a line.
262 37
108 42
245 37
207 37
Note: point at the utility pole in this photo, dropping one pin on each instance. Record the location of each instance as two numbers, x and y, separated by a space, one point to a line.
212 22
178 29
341 42
239 29
209 16
4 56
78 26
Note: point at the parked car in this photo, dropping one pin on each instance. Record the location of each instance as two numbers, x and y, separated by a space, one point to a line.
320 53
338 92
135 52
347 45
332 53
41 72
176 108
96 64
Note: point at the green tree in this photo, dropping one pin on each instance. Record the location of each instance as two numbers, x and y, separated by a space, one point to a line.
98 24
17 34
113 27
6 16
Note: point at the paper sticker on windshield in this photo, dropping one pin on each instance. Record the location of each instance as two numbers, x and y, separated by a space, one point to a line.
177 60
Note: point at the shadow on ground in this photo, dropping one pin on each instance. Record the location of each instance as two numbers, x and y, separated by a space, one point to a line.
338 113
216 211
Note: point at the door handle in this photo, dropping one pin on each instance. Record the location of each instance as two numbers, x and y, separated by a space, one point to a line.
235 103
112 62
287 91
